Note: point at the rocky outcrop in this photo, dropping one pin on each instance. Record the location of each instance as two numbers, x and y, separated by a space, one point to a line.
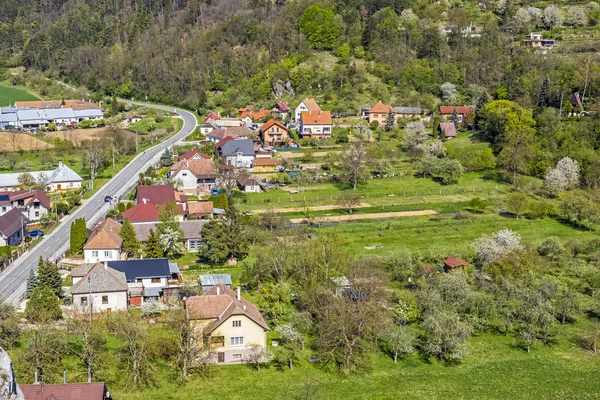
9 390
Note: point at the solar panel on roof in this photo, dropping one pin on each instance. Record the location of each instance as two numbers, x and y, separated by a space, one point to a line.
4 197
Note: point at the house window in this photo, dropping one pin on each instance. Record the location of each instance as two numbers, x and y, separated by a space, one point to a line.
104 299
138 280
237 324
184 174
217 341
236 356
3 209
237 341
107 253
194 244
94 253
84 301
155 280
37 213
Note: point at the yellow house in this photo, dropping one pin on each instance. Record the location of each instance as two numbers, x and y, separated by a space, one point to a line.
227 323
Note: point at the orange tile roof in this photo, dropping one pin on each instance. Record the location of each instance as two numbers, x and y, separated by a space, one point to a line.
265 162
106 236
316 118
463 110
311 104
199 168
270 123
381 108
200 207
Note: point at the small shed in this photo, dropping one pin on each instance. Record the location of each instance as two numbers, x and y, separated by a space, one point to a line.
453 263
209 280
448 129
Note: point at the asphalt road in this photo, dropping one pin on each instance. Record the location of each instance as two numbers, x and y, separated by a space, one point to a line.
13 280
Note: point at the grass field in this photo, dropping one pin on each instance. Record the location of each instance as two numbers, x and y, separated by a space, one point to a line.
9 94
13 141
495 369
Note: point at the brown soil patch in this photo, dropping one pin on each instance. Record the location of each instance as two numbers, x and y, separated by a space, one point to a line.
315 208
355 217
77 135
13 141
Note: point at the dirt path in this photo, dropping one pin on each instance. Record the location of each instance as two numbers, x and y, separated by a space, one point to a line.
290 154
315 208
355 217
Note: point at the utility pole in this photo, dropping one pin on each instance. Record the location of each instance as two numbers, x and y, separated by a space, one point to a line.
90 297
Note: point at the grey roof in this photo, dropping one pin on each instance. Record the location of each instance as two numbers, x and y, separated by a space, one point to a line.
59 175
12 110
174 268
8 117
407 110
152 291
102 279
190 228
58 113
11 222
81 270
31 115
232 147
213 279
88 113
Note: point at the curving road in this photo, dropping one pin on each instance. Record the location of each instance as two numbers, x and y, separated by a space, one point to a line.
13 280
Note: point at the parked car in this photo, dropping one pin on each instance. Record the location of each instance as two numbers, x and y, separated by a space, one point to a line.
107 199
36 233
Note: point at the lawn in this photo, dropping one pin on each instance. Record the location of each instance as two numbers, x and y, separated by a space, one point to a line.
495 369
150 124
444 233
9 94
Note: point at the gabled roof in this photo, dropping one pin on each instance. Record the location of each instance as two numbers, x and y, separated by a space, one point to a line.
222 306
455 262
223 141
270 123
316 118
137 269
192 154
199 168
311 104
106 236
191 229
200 207
59 175
30 196
67 391
213 279
282 106
234 131
255 115
232 147
43 104
157 194
64 174
448 128
265 162
211 117
462 110
12 222
102 279
575 100
381 108
145 211
408 110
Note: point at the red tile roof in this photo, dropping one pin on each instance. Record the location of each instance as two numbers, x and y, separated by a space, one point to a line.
283 106
106 236
316 118
142 212
223 141
193 154
270 123
381 108
255 115
454 262
200 207
157 194
213 116
462 110
30 196
222 306
448 128
69 391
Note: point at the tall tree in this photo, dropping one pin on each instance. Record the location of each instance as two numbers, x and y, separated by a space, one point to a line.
224 238
43 306
131 244
133 333
152 248
166 159
544 97
48 276
390 120
31 283
354 161
78 235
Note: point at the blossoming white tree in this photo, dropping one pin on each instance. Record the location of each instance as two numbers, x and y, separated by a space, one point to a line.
490 249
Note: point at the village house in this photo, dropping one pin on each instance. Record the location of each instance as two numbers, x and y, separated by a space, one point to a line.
316 124
193 154
237 153
160 195
248 117
408 112
240 132
266 165
281 111
66 391
104 243
207 281
133 118
226 324
462 112
453 263
200 209
13 226
34 204
447 130
536 40
145 211
41 118
364 110
380 112
274 134
195 176
45 104
99 287
191 230
248 185
59 179
305 105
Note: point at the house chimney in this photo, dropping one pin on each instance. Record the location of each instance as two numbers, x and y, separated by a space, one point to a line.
239 293
35 378
244 307
105 265
144 200
218 290
65 376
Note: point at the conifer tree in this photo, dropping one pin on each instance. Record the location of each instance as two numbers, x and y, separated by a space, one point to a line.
166 159
131 244
31 282
78 236
390 121
152 249
48 276
454 118
436 125
543 99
